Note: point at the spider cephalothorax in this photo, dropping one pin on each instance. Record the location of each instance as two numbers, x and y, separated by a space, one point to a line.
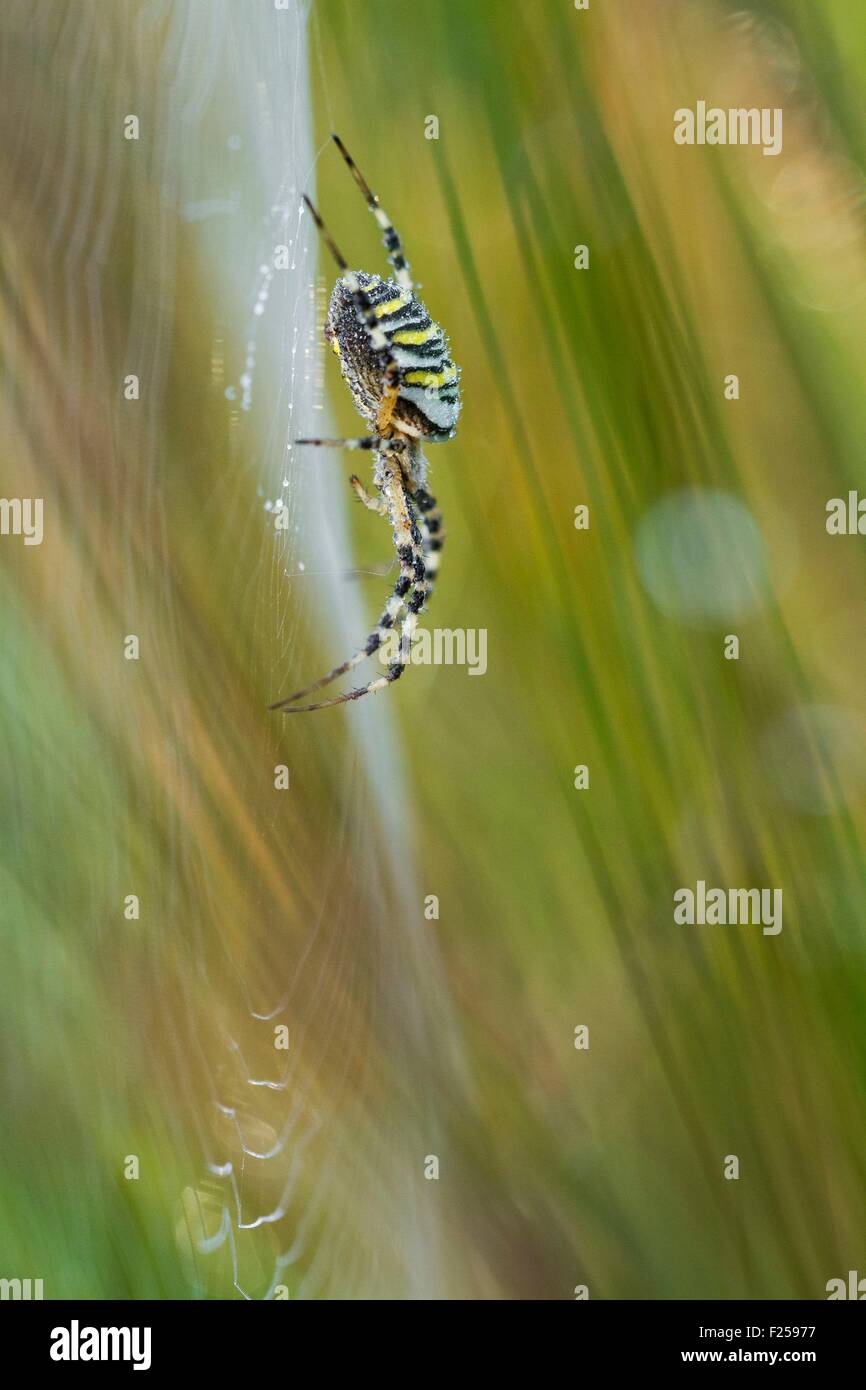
395 361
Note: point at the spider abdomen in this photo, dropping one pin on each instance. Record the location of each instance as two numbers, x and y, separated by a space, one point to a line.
428 399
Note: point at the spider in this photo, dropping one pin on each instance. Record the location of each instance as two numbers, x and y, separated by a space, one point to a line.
395 361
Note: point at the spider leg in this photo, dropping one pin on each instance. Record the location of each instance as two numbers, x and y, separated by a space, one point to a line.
369 441
411 582
432 534
389 615
373 504
326 235
390 237
363 305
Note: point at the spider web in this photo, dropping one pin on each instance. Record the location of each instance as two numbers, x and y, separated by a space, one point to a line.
264 1170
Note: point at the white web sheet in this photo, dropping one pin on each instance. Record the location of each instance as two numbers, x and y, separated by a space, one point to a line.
280 1191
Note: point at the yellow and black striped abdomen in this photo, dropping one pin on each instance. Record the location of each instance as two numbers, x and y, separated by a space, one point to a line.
429 398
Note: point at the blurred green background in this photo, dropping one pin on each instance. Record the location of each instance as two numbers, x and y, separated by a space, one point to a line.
602 387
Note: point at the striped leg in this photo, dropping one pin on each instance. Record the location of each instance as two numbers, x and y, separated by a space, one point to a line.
363 305
364 308
387 620
412 582
390 237
410 545
369 441
433 536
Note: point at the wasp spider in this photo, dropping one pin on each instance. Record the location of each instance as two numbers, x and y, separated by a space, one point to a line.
395 361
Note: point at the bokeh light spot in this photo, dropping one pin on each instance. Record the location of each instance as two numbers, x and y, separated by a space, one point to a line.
814 757
702 557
